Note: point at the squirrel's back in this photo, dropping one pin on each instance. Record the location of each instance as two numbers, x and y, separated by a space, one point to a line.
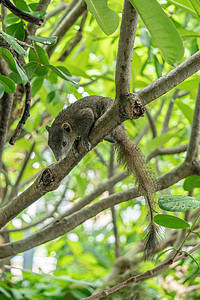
96 103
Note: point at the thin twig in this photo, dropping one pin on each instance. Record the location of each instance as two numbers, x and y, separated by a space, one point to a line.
169 112
148 274
66 24
151 122
195 133
56 10
76 40
100 156
25 162
146 129
111 169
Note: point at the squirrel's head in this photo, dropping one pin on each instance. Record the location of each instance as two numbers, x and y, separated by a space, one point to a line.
61 138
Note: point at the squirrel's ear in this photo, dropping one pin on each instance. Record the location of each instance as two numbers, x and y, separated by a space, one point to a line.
48 128
66 127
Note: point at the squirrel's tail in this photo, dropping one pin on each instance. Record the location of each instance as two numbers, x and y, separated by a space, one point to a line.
133 159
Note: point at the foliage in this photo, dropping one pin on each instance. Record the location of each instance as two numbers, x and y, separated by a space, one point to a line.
64 67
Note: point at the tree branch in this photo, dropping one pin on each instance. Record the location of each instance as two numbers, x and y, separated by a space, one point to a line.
195 133
125 50
56 10
167 82
75 41
15 187
65 225
6 102
151 123
66 24
148 274
169 112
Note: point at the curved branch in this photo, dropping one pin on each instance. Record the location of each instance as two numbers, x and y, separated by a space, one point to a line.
65 225
168 151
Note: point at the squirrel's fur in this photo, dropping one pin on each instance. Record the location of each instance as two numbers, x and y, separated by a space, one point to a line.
77 121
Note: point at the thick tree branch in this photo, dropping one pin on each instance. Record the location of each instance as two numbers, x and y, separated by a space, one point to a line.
104 186
167 82
195 133
51 177
65 225
125 50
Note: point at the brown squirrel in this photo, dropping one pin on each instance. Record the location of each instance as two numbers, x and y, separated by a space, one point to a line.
76 121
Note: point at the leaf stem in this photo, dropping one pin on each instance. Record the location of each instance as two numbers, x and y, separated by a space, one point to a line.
189 232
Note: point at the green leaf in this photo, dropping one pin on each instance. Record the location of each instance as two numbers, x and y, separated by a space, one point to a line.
160 140
60 72
30 68
196 5
51 97
185 34
40 70
163 252
106 18
14 44
8 84
79 294
36 84
170 221
185 5
162 29
75 247
7 56
186 110
16 30
15 77
10 19
4 292
197 233
2 90
44 40
191 257
42 55
191 182
178 203
21 4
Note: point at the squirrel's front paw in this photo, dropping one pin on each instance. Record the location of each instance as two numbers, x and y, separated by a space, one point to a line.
87 145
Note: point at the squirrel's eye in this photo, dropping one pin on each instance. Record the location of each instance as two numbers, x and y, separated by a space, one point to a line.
64 143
